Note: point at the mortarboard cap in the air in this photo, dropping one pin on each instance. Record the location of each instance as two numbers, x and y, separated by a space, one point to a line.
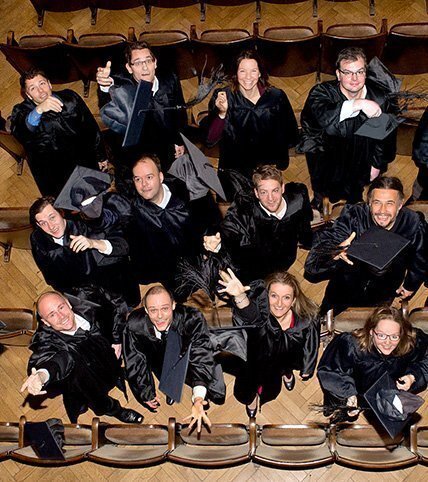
377 247
392 407
378 127
83 191
138 114
197 172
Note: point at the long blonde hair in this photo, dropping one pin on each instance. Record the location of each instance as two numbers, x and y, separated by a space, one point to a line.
303 306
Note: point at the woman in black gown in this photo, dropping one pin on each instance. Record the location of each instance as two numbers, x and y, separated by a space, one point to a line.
353 362
286 336
253 121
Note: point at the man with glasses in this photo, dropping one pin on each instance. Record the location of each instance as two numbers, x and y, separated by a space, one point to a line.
341 163
354 283
160 131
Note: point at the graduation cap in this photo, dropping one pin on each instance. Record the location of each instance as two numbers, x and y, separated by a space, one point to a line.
379 127
392 407
197 172
83 191
46 438
138 114
174 368
377 247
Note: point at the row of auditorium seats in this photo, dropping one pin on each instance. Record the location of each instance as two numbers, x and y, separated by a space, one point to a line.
226 444
71 5
287 51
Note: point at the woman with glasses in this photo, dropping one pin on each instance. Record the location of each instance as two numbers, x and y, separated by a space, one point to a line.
285 336
252 120
352 362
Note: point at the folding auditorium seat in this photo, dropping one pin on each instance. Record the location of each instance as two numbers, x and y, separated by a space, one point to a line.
94 5
15 230
45 52
10 438
288 2
421 206
339 36
12 146
19 326
57 6
372 5
227 3
419 442
418 317
168 4
93 50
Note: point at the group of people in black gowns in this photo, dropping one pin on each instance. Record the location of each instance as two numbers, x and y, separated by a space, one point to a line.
277 325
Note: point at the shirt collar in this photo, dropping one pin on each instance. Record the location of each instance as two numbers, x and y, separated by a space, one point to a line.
155 86
80 323
166 197
280 214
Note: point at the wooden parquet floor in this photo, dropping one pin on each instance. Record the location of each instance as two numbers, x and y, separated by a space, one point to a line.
21 282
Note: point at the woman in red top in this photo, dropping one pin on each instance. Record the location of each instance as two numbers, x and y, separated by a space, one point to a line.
286 336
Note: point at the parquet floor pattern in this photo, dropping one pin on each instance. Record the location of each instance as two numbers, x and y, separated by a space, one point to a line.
21 282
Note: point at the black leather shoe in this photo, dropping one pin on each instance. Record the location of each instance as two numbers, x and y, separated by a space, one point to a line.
289 385
127 415
169 401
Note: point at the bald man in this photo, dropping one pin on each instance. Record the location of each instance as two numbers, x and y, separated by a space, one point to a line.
71 355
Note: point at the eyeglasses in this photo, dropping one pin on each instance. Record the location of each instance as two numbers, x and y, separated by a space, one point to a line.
140 63
383 337
349 73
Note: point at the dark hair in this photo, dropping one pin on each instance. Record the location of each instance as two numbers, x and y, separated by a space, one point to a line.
156 290
386 182
303 306
407 335
38 206
137 46
250 54
267 171
30 74
148 157
351 54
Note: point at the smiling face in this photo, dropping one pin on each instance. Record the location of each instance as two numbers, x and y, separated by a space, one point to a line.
269 192
148 181
51 221
351 77
55 311
160 309
281 299
248 75
385 205
391 329
38 89
142 65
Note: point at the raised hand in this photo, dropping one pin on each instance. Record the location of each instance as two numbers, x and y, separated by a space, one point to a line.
221 104
50 104
103 75
345 244
198 415
34 383
232 285
211 243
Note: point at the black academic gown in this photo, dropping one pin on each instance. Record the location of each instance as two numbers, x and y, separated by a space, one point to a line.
60 142
158 237
339 161
144 353
360 285
420 156
258 133
260 244
88 274
161 125
345 369
272 352
83 366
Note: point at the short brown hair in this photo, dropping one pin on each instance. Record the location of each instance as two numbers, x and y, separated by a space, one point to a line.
149 157
303 306
30 74
351 54
267 171
407 334
137 46
38 206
